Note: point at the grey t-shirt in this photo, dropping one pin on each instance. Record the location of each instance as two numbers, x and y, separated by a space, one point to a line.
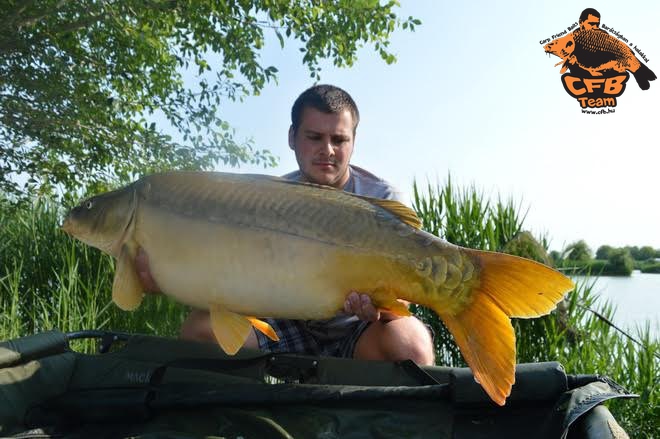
360 182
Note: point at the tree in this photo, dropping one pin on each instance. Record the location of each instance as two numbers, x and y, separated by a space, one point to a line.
525 245
79 78
647 252
604 251
620 262
578 251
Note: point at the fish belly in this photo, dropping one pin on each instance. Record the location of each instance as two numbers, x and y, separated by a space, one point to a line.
254 271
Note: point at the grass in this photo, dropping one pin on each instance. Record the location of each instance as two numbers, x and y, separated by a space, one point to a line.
48 280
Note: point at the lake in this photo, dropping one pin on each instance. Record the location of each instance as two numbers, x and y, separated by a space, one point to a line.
636 298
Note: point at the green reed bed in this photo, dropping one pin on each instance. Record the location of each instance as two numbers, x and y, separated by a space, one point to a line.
48 280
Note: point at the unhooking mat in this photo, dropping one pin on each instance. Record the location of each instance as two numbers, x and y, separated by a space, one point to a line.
151 387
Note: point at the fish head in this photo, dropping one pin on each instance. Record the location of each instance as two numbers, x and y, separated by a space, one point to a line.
102 220
562 47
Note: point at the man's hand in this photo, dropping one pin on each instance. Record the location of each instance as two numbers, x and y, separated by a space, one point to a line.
364 309
143 272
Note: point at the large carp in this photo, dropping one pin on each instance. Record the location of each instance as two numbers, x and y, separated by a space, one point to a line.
249 246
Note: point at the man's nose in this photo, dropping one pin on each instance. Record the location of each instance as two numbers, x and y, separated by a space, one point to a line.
326 147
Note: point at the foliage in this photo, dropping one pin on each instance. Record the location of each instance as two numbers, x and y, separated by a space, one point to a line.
79 80
620 262
464 217
48 280
604 251
556 258
594 267
650 267
645 253
525 245
578 251
641 253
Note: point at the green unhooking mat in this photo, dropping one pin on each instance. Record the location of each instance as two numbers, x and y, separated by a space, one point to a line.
150 387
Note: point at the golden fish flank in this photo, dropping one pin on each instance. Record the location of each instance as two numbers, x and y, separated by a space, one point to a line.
250 246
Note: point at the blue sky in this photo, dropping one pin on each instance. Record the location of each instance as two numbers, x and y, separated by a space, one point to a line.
473 94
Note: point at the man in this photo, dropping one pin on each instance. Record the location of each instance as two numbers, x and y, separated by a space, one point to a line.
589 19
324 120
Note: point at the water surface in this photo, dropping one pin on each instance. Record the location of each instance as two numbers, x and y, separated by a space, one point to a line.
636 298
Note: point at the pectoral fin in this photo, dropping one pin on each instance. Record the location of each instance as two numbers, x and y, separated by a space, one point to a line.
231 330
264 328
387 301
395 307
126 288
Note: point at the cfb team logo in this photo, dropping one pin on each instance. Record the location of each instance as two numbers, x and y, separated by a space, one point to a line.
596 63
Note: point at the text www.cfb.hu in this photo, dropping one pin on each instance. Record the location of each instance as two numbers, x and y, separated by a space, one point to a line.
601 111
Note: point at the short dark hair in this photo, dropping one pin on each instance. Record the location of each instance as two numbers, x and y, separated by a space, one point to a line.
326 98
589 11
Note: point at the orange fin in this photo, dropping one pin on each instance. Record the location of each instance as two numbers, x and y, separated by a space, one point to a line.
264 328
231 330
520 287
397 308
486 339
126 287
387 301
507 286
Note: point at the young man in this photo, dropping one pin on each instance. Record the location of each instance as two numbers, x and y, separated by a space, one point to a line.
324 119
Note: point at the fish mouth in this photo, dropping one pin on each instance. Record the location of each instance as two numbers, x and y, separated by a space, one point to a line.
67 226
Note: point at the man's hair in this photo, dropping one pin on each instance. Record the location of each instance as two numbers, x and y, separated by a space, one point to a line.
589 11
326 98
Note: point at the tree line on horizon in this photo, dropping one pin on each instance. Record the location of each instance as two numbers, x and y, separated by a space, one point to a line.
578 258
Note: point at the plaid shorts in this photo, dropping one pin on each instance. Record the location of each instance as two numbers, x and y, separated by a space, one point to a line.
330 338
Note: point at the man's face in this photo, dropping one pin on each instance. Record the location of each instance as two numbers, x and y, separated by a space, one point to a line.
592 22
323 145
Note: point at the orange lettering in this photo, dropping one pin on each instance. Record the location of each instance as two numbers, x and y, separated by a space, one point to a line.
593 84
614 85
570 84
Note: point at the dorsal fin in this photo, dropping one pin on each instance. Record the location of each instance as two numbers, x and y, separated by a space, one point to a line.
401 211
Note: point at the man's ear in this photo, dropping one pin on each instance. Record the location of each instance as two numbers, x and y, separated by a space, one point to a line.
292 135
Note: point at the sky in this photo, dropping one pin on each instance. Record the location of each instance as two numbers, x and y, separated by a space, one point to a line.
474 95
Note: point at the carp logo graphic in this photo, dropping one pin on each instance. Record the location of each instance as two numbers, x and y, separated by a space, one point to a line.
596 64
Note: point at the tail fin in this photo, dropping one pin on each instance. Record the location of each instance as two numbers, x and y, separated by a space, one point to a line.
643 75
509 287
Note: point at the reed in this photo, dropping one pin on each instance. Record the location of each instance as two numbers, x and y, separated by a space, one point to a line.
48 280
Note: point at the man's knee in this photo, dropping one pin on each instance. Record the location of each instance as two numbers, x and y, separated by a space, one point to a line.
197 327
397 340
